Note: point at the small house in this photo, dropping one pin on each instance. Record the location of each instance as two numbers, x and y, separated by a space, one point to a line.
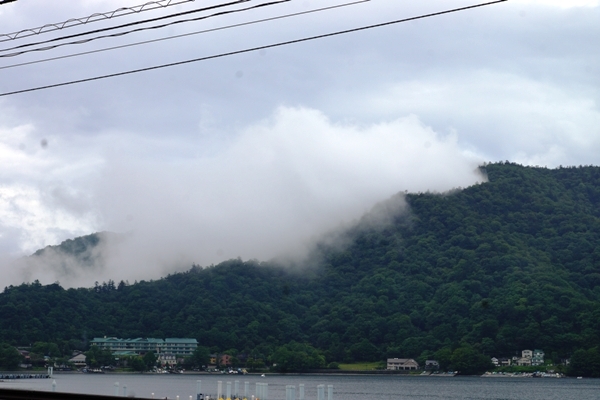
402 364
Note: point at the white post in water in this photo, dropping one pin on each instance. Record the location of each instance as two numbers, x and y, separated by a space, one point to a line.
124 390
116 389
321 392
50 371
329 392
260 387
246 389
198 389
54 385
228 391
219 390
301 388
291 390
236 388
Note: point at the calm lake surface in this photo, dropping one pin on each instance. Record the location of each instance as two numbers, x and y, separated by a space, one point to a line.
346 387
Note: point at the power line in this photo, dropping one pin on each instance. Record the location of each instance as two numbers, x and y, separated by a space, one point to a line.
127 25
247 50
144 29
187 34
3 2
120 12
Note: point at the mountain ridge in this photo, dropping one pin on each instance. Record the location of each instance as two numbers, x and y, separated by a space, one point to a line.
499 266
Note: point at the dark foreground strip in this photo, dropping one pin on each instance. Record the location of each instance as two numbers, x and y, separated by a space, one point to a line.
10 394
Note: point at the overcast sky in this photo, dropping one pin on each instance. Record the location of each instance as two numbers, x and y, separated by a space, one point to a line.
256 154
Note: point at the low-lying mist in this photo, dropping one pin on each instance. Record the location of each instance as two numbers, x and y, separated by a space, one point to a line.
269 192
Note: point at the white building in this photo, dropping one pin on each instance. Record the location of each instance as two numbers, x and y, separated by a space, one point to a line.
169 359
78 360
180 346
537 358
402 364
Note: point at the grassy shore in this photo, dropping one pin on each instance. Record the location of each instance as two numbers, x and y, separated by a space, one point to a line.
361 366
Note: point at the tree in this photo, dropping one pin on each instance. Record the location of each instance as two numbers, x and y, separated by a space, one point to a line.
138 364
10 358
96 357
149 360
364 351
200 356
297 357
468 361
46 349
585 363
444 358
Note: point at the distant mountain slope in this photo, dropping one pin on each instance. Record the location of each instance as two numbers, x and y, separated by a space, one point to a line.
505 265
68 261
79 247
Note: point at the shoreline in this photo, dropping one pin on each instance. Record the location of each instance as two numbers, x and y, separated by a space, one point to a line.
267 374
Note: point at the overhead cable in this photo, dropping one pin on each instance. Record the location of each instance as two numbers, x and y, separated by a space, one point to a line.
315 10
144 29
110 28
151 5
247 50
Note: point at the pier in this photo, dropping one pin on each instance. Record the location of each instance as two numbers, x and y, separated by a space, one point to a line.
24 376
232 392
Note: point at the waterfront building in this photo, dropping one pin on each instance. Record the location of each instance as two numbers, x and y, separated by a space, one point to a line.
527 354
537 357
167 359
402 364
180 346
78 360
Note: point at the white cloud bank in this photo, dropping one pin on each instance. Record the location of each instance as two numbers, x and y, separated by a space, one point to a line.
535 122
271 191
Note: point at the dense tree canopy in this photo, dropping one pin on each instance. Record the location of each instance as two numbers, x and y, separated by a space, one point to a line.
495 268
297 357
97 357
200 357
10 358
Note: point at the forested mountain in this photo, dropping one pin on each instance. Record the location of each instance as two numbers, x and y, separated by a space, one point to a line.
509 264
79 247
73 258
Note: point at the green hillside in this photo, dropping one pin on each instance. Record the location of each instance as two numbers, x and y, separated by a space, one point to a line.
510 264
78 247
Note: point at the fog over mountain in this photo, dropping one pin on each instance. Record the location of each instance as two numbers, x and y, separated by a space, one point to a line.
259 154
272 193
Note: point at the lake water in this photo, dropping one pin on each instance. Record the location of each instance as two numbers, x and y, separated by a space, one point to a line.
345 387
